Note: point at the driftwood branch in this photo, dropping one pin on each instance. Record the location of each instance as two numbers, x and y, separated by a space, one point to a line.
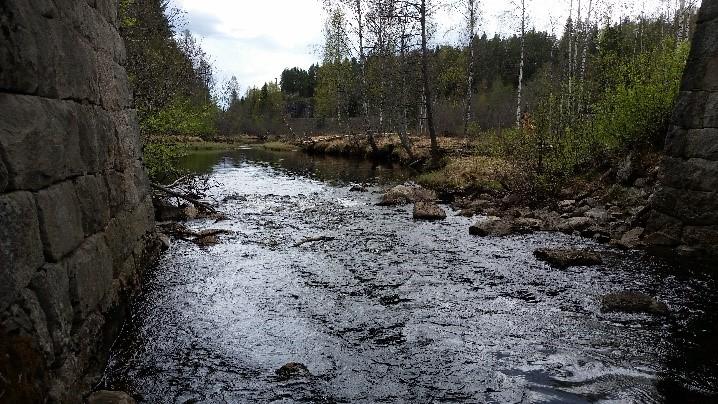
193 201
314 239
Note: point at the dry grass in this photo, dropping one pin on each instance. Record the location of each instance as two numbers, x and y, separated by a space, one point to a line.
472 173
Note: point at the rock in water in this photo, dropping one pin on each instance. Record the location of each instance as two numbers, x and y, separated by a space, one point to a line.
110 397
399 195
568 257
165 241
575 224
428 211
491 227
404 195
358 188
632 302
631 239
292 371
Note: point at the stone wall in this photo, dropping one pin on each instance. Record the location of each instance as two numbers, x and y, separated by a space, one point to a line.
685 216
75 209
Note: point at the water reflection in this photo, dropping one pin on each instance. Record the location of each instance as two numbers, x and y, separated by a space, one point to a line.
324 168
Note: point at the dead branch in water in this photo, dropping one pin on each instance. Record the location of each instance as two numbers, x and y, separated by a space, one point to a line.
314 239
199 204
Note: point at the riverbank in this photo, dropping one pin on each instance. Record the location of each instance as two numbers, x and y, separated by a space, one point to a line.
607 203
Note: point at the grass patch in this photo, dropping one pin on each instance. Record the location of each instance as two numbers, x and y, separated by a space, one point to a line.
278 146
473 173
209 146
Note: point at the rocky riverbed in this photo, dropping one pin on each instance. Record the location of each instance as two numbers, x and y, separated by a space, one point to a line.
316 293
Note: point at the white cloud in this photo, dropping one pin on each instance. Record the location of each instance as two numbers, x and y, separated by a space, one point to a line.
256 39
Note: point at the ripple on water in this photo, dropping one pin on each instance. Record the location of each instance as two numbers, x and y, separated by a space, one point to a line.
393 310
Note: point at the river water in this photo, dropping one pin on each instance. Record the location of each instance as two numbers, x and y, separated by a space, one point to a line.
393 310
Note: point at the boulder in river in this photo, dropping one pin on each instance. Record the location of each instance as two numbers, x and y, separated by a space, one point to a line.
631 239
110 397
632 302
491 227
424 210
404 195
568 257
358 188
575 224
293 370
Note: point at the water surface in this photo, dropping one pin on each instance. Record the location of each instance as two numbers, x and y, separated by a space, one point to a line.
394 310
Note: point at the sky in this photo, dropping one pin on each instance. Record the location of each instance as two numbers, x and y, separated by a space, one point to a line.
255 40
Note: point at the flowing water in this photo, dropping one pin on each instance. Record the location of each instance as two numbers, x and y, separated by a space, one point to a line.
396 311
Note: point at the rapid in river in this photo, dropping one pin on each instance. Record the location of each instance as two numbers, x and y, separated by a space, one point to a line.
385 309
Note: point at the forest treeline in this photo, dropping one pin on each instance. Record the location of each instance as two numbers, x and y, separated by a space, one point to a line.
559 100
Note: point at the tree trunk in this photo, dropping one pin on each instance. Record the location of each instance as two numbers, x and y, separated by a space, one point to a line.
521 65
363 91
427 87
470 72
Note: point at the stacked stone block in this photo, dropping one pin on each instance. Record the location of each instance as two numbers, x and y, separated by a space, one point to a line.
75 209
685 215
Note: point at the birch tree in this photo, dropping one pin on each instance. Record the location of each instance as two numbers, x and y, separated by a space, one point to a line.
522 9
472 10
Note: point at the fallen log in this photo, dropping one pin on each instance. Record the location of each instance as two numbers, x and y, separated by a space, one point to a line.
199 204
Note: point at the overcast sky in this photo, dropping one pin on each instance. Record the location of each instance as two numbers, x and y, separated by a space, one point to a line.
255 40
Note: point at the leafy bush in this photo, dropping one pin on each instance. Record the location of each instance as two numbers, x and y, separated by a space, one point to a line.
638 108
182 117
162 161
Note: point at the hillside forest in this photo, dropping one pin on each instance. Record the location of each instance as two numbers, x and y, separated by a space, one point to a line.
555 102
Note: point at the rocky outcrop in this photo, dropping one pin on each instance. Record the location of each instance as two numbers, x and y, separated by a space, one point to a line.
684 218
75 208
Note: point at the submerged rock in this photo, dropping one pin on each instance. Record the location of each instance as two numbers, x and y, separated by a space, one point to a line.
357 188
424 210
293 370
568 257
110 397
206 241
632 302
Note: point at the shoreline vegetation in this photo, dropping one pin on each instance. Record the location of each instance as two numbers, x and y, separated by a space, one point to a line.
607 204
561 130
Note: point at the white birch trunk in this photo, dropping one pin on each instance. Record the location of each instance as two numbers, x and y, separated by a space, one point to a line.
521 65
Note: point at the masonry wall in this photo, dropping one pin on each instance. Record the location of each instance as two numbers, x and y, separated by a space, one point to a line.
75 209
685 216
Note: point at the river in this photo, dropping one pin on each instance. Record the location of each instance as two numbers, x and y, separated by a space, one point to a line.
396 311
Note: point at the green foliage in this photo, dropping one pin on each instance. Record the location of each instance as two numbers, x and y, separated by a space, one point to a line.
162 161
637 109
631 110
182 117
